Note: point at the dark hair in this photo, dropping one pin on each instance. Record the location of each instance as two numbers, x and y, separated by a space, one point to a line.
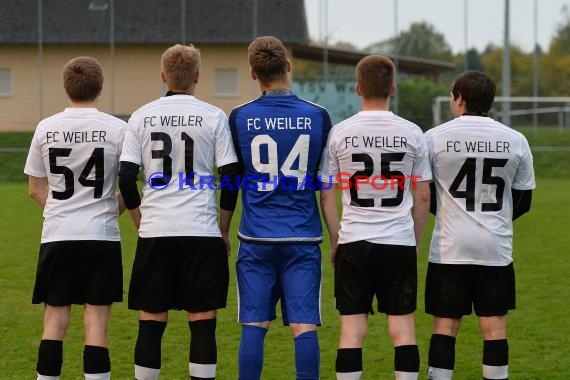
83 79
477 91
375 76
268 58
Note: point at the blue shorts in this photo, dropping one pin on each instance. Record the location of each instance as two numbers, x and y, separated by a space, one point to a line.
267 273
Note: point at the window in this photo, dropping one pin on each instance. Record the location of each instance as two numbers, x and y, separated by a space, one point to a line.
5 82
226 83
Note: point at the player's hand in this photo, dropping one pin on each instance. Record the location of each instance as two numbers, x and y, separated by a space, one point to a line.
226 240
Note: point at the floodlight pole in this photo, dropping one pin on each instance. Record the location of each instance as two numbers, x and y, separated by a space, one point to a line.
396 52
506 107
465 33
40 61
326 42
112 51
535 67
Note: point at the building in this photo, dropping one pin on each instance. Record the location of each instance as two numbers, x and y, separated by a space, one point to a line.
37 37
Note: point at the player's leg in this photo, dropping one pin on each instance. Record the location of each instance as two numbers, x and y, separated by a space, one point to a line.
396 289
203 352
301 283
151 291
103 285
494 297
441 360
50 352
56 285
447 297
203 285
96 361
406 354
495 347
258 293
353 295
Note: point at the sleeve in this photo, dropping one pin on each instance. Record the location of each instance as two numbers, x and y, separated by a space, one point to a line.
131 149
329 167
128 173
225 152
229 192
524 176
234 133
34 162
422 167
121 137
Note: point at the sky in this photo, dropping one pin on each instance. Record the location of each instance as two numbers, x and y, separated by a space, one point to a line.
363 22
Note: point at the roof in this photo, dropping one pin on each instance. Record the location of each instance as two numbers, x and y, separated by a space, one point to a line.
152 21
410 65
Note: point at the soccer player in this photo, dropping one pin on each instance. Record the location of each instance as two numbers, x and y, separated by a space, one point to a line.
279 139
181 257
483 178
72 168
380 162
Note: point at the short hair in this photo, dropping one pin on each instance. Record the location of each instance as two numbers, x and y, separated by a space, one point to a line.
268 58
476 89
375 76
83 79
180 65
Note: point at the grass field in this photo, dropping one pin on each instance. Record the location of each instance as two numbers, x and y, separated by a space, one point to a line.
538 328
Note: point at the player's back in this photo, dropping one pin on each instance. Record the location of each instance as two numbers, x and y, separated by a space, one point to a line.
279 140
180 141
378 157
476 162
78 151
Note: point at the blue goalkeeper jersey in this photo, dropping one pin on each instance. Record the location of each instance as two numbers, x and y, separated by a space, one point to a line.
279 140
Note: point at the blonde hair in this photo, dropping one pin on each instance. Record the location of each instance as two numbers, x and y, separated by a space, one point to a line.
268 58
83 79
375 76
180 65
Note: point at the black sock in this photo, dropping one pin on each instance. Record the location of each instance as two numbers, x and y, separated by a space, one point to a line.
442 351
349 360
407 358
495 359
203 352
96 359
50 357
148 346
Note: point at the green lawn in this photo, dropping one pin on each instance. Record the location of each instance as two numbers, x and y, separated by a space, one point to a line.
538 328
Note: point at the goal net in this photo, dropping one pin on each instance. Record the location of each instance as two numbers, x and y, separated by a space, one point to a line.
517 111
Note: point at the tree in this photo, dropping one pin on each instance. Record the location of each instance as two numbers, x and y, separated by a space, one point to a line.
421 40
560 44
521 70
416 97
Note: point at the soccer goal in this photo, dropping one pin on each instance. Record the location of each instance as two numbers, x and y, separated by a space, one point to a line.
517 111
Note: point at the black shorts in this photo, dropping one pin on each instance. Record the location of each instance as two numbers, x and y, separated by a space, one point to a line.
79 272
364 269
452 290
179 273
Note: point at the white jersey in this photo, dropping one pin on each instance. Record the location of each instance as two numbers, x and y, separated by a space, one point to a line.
476 161
384 155
78 151
179 136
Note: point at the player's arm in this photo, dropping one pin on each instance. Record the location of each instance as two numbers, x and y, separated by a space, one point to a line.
420 210
521 202
330 215
228 199
38 189
128 173
433 199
